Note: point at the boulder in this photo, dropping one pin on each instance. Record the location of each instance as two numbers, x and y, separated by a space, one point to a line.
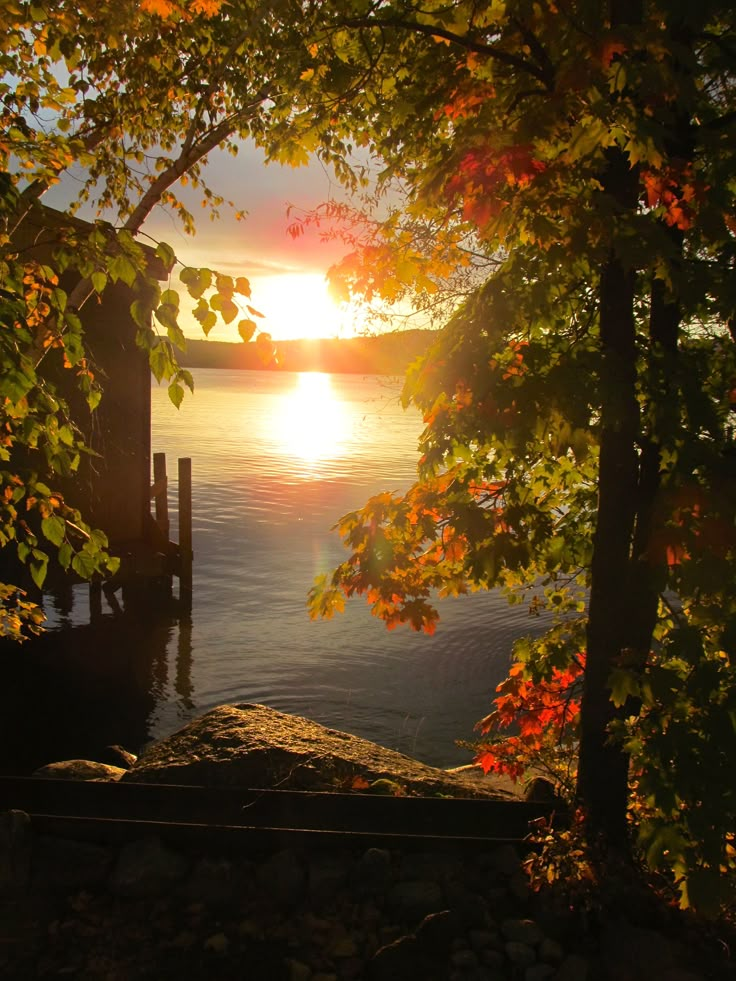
255 746
79 770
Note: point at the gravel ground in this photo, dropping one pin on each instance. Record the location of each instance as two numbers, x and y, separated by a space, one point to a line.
145 911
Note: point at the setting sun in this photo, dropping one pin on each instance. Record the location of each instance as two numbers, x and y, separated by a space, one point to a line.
299 305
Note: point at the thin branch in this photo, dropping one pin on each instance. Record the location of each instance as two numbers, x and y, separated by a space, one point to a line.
469 44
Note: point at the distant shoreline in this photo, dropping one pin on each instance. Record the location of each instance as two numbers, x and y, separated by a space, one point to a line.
380 354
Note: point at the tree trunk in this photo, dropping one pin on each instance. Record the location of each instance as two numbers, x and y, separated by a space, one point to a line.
603 766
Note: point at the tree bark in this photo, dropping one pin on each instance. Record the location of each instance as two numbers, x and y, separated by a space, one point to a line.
603 767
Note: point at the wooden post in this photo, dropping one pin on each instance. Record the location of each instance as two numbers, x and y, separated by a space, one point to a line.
186 554
159 492
95 599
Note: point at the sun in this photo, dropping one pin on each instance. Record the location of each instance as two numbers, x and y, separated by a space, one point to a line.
298 305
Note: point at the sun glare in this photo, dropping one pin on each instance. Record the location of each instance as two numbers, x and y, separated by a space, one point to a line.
310 424
298 305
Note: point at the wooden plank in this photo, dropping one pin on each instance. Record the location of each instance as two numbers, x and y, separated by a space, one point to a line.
185 532
288 810
161 498
252 838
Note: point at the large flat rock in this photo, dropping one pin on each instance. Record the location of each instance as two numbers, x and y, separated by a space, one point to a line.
256 746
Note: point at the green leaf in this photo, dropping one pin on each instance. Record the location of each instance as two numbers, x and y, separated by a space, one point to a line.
161 361
84 564
54 528
623 684
64 555
99 280
166 255
197 281
176 393
121 268
39 566
703 891
141 313
228 311
167 314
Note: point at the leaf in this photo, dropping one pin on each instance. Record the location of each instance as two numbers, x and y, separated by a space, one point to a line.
703 891
121 268
197 281
141 313
225 306
84 564
54 528
64 555
623 684
246 329
166 255
99 280
167 315
160 359
39 566
176 393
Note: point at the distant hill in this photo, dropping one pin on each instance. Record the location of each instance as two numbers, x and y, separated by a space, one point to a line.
381 354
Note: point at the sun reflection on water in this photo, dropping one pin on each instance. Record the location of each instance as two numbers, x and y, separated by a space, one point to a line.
311 423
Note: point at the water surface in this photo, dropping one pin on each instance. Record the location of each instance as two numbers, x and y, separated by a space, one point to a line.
277 458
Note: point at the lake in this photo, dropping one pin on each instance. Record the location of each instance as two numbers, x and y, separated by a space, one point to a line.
277 458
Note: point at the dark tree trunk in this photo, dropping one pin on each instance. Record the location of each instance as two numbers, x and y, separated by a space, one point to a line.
603 766
624 570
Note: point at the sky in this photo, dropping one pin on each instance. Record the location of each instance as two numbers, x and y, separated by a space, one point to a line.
287 275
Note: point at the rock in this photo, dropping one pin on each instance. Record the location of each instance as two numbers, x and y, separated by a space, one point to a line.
465 960
551 951
541 791
539 972
146 868
212 882
372 875
299 971
519 887
283 878
631 952
521 955
327 875
411 901
437 931
525 931
79 770
118 756
256 746
469 905
573 968
71 864
402 960
483 939
16 847
505 860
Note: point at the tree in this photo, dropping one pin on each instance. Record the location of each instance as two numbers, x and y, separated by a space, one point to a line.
579 407
132 98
